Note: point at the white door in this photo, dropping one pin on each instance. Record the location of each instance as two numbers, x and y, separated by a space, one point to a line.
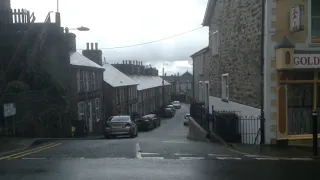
90 116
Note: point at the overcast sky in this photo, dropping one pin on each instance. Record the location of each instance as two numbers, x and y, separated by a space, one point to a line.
115 23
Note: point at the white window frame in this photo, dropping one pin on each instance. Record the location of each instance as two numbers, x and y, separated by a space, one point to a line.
78 80
97 106
215 40
310 23
81 110
94 81
225 87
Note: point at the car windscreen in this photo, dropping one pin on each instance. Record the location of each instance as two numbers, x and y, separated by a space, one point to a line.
120 119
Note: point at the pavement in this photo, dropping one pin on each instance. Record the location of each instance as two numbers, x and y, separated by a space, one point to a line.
163 153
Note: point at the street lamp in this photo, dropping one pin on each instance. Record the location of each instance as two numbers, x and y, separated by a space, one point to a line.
82 28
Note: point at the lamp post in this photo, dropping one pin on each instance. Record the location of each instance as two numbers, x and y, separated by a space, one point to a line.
262 118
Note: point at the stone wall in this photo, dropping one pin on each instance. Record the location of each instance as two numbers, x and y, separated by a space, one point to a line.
239 26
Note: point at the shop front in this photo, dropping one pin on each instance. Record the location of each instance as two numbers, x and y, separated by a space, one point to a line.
298 93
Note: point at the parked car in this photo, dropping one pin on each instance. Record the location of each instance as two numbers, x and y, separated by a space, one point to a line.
169 112
186 120
145 123
172 107
176 104
155 119
120 125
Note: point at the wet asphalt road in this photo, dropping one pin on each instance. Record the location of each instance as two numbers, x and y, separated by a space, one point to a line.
163 153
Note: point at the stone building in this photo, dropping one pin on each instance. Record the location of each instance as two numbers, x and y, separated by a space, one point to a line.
290 67
234 43
153 91
120 92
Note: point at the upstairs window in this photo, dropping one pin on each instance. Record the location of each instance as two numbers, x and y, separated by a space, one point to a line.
81 110
315 21
225 87
215 40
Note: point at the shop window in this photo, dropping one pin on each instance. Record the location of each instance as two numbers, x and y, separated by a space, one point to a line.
300 101
315 21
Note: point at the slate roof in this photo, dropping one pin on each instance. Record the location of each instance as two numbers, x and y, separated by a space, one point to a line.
116 78
183 78
147 82
80 60
284 43
200 52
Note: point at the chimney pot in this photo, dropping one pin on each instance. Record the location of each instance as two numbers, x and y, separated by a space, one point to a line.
87 46
91 46
96 44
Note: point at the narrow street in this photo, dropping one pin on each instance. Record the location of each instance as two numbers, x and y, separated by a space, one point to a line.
163 153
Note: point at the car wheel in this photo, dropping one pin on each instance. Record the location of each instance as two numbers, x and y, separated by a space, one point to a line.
137 133
132 135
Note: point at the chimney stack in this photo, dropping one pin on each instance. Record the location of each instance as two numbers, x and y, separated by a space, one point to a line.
93 53
71 41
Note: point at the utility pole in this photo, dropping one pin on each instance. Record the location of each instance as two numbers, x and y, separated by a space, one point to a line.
163 89
262 118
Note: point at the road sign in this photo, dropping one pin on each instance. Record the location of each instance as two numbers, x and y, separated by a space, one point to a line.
9 109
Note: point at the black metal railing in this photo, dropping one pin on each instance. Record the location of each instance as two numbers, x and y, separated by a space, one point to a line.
228 124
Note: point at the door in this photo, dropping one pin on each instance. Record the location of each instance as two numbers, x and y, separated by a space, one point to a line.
90 116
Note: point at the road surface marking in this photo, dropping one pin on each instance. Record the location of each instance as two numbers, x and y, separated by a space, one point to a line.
191 158
251 155
32 152
227 158
82 158
152 157
178 142
296 159
138 151
218 155
142 153
239 152
267 158
26 151
33 158
182 154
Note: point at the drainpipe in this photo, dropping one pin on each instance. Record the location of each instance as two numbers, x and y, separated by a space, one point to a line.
262 117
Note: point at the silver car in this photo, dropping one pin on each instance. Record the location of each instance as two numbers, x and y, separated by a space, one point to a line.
176 104
120 125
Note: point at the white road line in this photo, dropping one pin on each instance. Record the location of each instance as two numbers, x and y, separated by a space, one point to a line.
34 158
191 158
82 158
228 158
251 155
267 158
178 142
225 155
142 153
138 151
182 154
152 157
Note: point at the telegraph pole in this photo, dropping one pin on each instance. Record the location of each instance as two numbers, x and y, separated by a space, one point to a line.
163 89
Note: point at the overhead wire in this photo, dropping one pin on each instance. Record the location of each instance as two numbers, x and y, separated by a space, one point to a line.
140 44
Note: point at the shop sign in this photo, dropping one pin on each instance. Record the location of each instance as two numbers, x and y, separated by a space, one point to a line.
306 61
297 18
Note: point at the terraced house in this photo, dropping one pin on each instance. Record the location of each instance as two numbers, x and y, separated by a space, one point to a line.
288 91
87 87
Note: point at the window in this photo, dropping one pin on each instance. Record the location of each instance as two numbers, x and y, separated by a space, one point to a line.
94 81
78 80
215 40
87 81
315 21
81 80
97 109
130 93
122 95
117 97
225 87
81 111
